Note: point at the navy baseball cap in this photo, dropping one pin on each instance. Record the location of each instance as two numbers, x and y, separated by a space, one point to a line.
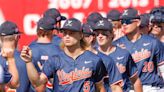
46 23
87 29
130 13
8 28
162 9
157 17
103 25
55 14
113 15
144 19
154 10
91 24
72 24
94 17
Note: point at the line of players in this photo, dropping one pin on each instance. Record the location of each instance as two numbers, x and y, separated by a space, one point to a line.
123 52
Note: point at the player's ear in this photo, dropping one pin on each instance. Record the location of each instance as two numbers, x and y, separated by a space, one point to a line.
17 37
138 22
81 35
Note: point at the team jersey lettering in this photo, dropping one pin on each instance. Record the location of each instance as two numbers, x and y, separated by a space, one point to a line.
121 67
141 55
69 78
148 67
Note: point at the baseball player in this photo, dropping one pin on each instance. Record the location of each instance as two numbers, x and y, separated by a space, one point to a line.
15 67
43 48
144 26
114 17
55 14
74 69
113 80
92 19
157 21
146 51
122 58
89 37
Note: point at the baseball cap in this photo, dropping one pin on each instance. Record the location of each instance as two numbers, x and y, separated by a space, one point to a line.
157 17
130 13
154 10
8 28
86 29
103 25
46 23
113 15
144 19
72 24
55 14
94 17
162 8
91 24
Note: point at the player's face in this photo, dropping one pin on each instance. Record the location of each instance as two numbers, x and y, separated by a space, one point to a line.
129 25
71 38
9 42
116 24
157 29
57 32
88 39
103 37
58 24
144 30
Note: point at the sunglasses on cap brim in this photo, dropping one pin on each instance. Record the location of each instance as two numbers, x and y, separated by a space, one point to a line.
127 21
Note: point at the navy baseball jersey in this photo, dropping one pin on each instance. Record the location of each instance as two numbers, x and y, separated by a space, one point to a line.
6 75
147 53
113 74
23 77
155 38
79 75
126 66
56 40
1 74
41 53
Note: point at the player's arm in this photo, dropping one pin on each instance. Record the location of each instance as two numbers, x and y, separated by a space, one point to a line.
14 83
115 78
100 87
100 72
133 74
116 88
12 69
35 78
161 68
136 83
159 54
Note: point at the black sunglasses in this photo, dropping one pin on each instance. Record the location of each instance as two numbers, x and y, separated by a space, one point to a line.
126 21
105 33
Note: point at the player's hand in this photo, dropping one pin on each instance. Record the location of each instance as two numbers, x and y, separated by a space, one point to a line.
26 54
7 53
7 50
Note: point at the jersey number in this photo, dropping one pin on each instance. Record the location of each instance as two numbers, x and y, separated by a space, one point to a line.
148 67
